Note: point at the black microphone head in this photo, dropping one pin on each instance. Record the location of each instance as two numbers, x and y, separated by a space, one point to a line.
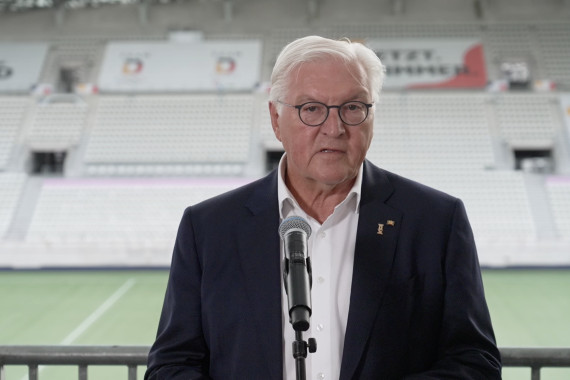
294 223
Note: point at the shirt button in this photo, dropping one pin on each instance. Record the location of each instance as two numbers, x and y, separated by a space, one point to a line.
320 327
320 376
322 235
321 279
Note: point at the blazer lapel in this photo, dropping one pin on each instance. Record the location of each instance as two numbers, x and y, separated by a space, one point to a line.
376 240
259 252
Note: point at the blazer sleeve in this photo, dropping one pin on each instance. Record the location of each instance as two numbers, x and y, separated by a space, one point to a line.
180 350
467 347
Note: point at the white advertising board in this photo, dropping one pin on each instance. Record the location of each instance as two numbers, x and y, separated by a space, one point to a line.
21 65
431 63
177 67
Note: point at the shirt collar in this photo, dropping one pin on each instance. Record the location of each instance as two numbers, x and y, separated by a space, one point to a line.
287 201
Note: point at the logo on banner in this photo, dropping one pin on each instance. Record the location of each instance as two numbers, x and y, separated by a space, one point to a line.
418 63
5 71
225 65
441 63
132 66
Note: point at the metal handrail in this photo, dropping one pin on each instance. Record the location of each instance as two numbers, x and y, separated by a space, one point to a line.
81 356
535 358
134 356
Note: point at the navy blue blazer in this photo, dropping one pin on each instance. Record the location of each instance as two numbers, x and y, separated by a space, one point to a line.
417 307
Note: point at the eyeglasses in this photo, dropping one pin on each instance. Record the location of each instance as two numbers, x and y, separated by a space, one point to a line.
314 114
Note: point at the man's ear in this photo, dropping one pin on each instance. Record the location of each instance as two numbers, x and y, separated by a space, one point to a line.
274 120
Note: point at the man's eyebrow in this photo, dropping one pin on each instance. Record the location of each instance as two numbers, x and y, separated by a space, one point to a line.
361 96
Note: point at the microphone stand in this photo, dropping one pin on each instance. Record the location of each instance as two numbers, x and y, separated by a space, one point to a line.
300 321
298 281
300 353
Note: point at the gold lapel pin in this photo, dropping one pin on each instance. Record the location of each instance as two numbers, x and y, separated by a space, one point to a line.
380 229
390 222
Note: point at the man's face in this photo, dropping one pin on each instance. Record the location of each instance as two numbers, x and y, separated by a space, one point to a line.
329 154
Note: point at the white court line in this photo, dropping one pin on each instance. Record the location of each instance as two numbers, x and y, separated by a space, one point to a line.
93 317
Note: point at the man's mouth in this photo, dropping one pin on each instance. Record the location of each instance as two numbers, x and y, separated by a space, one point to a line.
330 151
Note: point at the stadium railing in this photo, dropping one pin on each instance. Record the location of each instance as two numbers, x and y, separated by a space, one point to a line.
135 356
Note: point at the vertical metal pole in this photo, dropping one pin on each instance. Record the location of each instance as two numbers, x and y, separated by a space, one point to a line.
535 373
33 371
132 372
300 353
2 373
82 372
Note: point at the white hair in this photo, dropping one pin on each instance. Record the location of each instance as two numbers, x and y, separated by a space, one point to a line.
314 48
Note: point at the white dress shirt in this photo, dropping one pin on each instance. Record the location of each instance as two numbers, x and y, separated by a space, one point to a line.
331 249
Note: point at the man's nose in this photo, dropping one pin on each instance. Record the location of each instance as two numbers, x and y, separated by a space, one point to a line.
333 125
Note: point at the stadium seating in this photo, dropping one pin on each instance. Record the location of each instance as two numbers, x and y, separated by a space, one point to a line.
11 185
12 117
527 120
136 161
210 131
435 132
57 126
552 50
559 195
133 214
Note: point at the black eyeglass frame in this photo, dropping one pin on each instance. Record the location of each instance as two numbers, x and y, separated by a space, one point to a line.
298 107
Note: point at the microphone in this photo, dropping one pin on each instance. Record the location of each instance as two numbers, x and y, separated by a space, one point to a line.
297 274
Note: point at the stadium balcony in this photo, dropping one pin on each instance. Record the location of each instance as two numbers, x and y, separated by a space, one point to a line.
134 356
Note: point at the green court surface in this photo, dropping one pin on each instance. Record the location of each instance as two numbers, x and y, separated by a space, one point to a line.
529 308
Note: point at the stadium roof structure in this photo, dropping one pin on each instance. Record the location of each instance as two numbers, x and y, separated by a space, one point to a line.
396 6
28 5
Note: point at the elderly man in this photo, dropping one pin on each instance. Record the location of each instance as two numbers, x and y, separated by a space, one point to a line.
397 289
